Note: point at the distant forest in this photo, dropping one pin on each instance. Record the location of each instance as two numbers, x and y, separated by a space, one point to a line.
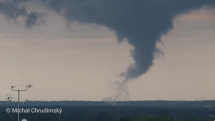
112 113
157 104
115 111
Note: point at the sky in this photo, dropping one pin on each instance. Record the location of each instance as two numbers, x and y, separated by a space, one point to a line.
77 61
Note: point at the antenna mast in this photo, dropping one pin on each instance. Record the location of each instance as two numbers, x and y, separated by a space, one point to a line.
9 97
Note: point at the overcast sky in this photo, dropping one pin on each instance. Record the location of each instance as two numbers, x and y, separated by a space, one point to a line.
75 62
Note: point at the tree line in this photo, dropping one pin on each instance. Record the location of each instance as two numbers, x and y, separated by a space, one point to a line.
160 115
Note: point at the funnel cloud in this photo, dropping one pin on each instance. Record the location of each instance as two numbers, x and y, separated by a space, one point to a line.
142 23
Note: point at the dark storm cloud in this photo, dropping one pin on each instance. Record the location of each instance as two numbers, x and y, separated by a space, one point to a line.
141 22
31 19
12 10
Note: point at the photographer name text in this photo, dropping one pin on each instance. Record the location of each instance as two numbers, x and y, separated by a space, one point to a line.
34 110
